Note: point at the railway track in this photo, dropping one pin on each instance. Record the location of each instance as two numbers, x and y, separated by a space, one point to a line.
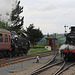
14 60
65 65
44 67
29 55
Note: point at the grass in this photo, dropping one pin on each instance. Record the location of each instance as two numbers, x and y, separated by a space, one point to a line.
35 50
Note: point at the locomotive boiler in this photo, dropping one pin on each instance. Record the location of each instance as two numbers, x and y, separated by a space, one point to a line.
13 44
67 50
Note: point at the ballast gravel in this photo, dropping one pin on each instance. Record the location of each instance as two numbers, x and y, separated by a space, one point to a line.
27 67
24 68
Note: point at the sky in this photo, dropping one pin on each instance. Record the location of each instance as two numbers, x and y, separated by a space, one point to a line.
50 16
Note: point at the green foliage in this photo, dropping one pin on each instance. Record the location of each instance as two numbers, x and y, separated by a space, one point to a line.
41 44
21 31
61 39
3 25
35 50
34 35
59 44
17 20
42 41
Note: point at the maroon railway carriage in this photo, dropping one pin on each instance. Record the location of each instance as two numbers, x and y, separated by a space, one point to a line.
5 41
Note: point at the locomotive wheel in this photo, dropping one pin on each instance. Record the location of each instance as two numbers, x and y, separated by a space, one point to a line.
25 52
8 54
5 54
13 53
1 54
17 53
20 52
66 58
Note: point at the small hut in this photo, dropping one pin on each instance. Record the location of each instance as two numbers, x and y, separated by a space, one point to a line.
51 41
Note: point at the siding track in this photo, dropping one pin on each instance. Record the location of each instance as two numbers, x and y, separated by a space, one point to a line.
14 60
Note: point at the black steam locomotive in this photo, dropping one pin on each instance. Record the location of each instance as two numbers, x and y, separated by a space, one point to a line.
13 44
19 43
68 49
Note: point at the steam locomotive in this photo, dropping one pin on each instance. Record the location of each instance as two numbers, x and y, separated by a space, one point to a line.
67 50
13 44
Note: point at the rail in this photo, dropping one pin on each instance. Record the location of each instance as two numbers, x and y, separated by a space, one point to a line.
44 66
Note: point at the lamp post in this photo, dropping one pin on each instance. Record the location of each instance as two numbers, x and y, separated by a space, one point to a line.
65 30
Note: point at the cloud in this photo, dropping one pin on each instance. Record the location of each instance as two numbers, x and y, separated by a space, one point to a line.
48 15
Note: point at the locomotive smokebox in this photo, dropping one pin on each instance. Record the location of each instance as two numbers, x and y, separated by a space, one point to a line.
72 29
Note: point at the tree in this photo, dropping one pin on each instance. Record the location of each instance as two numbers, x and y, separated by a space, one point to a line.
3 25
34 35
17 21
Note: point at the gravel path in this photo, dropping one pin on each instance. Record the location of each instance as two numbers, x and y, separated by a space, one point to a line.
23 68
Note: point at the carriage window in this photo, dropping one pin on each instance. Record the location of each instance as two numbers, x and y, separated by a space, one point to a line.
1 38
6 38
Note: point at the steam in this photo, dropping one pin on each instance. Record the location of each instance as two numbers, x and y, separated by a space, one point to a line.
6 6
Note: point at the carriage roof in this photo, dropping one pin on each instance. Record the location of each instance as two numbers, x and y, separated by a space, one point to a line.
4 31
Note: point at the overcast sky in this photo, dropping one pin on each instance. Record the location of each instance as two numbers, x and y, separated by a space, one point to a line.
48 15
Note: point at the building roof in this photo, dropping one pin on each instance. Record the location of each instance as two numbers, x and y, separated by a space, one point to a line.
51 37
4 31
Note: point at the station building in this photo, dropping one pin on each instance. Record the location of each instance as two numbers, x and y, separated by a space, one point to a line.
51 42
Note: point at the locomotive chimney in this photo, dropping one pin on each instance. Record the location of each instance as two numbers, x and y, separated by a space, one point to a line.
72 29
